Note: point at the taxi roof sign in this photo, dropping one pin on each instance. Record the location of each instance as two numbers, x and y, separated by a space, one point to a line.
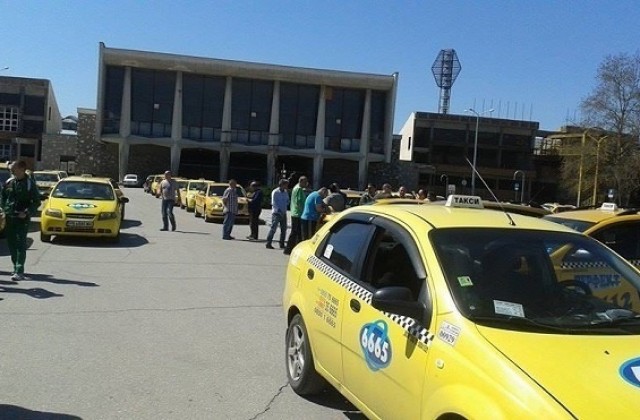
609 207
468 201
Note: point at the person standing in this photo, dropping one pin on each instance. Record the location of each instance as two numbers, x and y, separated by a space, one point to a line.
369 195
298 197
385 193
335 201
19 200
230 209
255 208
313 207
279 203
168 190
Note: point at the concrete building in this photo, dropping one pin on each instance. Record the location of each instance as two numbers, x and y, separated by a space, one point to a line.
439 144
224 119
28 110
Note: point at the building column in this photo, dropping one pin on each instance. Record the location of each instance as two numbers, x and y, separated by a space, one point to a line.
176 150
318 159
318 162
123 158
388 120
176 125
274 131
363 163
125 112
225 138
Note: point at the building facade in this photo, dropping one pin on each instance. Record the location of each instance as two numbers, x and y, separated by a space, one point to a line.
28 110
438 146
222 119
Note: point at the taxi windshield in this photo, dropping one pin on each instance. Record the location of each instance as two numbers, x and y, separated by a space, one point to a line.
195 186
45 177
539 281
579 225
83 190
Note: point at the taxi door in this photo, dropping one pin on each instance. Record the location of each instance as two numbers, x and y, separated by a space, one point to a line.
385 355
325 280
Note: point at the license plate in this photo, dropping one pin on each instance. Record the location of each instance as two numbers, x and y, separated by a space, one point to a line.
79 223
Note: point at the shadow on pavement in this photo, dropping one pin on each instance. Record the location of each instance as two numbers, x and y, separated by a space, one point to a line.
15 412
126 224
333 399
127 240
51 279
36 293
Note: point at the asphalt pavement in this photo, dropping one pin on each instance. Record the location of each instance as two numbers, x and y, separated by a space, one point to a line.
163 325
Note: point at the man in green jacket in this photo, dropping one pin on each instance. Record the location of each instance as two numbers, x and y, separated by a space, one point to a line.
20 200
298 196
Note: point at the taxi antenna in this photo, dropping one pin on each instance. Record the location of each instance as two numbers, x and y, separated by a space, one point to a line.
473 168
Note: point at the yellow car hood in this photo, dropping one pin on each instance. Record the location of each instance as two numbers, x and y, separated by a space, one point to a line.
78 205
584 373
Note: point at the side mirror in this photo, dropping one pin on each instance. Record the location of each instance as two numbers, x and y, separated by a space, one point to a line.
398 300
124 199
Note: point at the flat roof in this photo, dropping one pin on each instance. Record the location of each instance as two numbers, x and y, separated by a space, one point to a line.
221 67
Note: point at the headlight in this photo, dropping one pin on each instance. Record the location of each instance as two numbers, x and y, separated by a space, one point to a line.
54 213
107 215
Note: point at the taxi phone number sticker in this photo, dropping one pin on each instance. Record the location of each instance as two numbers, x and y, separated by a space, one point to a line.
449 333
375 344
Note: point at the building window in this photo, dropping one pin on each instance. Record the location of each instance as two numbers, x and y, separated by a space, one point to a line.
68 164
152 94
5 152
34 105
9 117
251 111
343 119
378 112
298 115
112 106
202 107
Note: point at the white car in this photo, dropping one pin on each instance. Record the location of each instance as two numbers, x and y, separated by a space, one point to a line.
130 180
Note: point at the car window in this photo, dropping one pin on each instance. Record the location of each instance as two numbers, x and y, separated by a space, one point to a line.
216 191
549 279
45 177
624 238
389 264
579 225
83 190
194 186
345 245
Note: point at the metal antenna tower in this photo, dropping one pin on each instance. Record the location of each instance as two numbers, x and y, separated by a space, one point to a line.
445 70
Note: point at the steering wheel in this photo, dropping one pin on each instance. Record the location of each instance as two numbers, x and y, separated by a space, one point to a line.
584 287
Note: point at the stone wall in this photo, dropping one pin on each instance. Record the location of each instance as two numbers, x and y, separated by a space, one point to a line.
54 146
92 157
396 172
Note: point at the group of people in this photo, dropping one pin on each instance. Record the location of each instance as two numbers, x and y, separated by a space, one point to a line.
306 208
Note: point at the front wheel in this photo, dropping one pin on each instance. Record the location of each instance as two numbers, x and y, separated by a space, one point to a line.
301 372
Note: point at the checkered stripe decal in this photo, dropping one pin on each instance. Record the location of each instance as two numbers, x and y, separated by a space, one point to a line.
584 265
408 324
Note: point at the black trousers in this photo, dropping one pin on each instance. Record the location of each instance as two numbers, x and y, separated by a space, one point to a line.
308 228
295 235
254 222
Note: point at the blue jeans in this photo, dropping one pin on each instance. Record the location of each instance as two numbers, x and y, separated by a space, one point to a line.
281 220
167 214
227 224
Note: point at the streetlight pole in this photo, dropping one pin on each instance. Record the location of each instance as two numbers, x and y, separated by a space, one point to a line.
515 175
445 178
475 146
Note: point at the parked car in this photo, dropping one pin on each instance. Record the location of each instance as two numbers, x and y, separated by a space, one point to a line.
131 180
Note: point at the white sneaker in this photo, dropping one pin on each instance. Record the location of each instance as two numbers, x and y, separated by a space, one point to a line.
18 277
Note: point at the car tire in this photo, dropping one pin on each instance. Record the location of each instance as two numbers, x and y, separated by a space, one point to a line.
195 212
45 238
301 372
204 215
122 213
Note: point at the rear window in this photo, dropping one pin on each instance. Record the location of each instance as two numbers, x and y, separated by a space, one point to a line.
578 225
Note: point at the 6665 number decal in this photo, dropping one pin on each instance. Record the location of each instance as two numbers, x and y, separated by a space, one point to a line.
375 344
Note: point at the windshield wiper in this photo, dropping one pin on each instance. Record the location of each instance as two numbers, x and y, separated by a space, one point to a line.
616 317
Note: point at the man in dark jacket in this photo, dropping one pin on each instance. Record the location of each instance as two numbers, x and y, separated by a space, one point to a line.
20 200
255 208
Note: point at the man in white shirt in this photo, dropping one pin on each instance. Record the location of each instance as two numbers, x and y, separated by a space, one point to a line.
168 191
279 203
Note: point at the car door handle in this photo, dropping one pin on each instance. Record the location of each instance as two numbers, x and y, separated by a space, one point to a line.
310 274
354 305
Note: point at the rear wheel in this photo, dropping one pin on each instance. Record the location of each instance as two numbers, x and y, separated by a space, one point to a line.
44 237
301 372
195 212
204 215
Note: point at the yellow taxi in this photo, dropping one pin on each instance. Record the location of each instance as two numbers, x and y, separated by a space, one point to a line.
45 180
155 184
189 192
439 312
181 185
617 228
81 206
208 202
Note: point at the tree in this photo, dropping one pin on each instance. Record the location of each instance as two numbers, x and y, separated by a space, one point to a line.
611 152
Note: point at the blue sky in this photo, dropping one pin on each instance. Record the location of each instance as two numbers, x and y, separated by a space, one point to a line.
538 58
